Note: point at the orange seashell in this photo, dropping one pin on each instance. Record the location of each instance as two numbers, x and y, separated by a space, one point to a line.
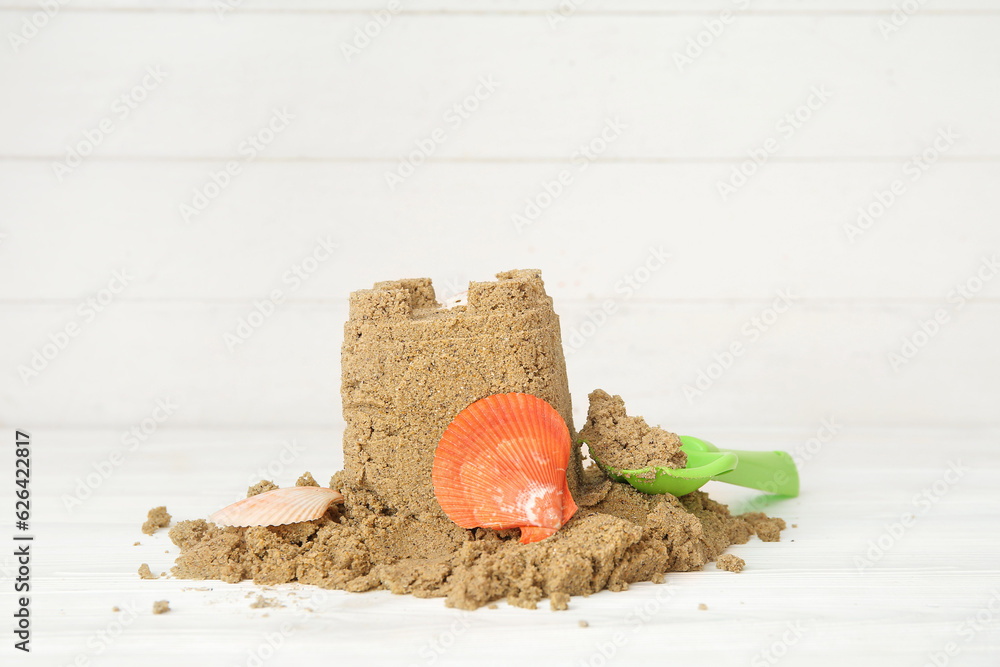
501 463
278 507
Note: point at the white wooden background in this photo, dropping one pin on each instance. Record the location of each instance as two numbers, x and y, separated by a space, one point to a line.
654 187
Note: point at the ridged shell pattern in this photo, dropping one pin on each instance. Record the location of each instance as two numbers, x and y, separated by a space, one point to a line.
278 507
501 463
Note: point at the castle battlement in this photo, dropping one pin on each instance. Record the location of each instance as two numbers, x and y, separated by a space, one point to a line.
400 299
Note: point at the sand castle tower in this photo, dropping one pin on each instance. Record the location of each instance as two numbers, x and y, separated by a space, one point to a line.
409 366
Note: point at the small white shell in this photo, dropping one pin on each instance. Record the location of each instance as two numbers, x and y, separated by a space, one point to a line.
460 299
278 507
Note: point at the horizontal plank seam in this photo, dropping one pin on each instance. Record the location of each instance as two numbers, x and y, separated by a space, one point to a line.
341 300
563 159
756 13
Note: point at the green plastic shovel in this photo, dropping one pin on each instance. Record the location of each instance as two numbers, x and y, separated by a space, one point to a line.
773 472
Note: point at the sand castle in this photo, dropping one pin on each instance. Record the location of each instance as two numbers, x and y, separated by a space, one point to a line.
409 367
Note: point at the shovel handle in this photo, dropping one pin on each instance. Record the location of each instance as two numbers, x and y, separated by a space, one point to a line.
773 472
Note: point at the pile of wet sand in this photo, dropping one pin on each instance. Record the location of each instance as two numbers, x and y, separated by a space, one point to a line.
409 366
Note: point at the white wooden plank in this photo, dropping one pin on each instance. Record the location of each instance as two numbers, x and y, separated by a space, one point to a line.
784 229
545 105
579 8
812 363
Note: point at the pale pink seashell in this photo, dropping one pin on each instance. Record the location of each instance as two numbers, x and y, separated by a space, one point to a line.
278 507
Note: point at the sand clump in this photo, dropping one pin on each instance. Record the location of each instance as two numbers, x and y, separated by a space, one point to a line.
730 563
767 528
409 366
265 603
627 443
161 607
306 480
263 486
156 518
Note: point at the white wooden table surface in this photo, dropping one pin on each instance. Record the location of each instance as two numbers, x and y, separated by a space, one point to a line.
809 600
118 114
